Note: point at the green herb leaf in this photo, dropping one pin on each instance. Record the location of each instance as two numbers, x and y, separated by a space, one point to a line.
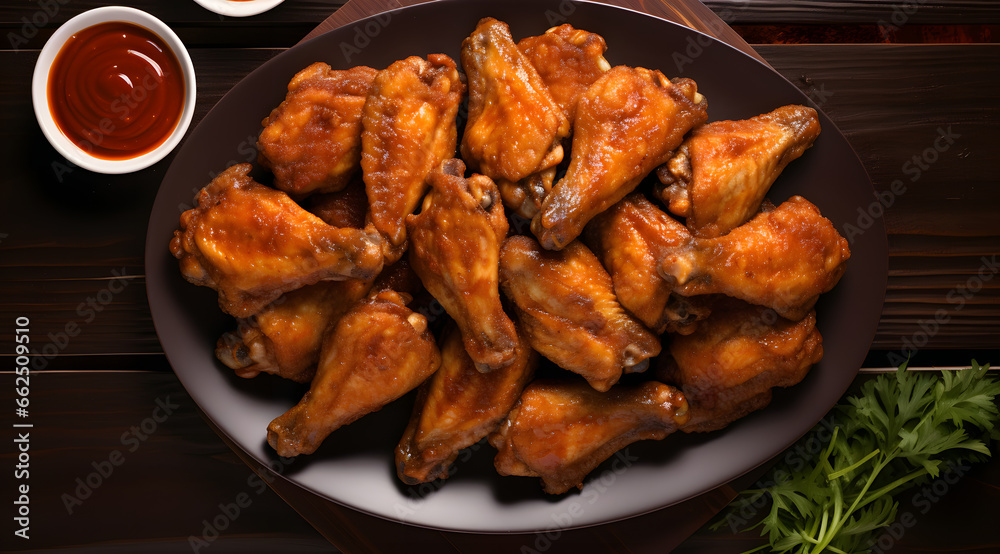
902 429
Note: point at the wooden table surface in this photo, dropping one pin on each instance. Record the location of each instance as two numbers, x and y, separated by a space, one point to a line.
891 75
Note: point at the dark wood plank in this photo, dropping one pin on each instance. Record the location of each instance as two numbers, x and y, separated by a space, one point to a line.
28 24
857 11
171 475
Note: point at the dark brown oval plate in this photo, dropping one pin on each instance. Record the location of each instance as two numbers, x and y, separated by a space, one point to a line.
354 467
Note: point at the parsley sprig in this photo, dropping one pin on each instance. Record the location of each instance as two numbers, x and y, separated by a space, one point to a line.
900 430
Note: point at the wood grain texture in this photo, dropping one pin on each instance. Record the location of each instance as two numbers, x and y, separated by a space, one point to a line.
856 11
171 476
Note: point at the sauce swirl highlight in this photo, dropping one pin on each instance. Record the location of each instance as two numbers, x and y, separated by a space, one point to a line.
116 90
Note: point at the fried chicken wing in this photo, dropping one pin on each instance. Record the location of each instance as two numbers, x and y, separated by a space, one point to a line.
515 128
568 60
720 175
252 243
567 308
379 351
782 259
457 407
455 249
627 123
561 431
285 337
312 140
729 365
631 238
409 129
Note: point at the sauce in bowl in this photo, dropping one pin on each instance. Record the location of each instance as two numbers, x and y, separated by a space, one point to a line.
116 90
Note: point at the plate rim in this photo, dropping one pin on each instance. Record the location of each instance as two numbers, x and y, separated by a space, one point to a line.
157 250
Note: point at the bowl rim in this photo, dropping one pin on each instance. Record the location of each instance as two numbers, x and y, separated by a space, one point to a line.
40 80
243 8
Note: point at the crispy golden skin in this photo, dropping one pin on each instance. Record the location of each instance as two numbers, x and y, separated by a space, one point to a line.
627 123
455 249
457 407
312 140
515 128
782 259
568 60
560 431
631 238
720 175
567 308
379 351
728 366
409 129
284 338
253 243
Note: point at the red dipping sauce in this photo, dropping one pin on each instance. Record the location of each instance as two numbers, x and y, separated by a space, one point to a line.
116 90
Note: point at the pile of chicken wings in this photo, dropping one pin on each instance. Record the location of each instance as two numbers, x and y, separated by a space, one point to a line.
609 265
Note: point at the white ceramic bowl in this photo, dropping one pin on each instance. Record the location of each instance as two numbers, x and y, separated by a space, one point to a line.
238 9
40 78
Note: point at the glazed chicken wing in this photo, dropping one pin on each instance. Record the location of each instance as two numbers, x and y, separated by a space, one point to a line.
782 259
455 249
719 177
457 407
379 351
285 337
631 238
627 123
561 431
728 366
568 60
567 308
409 129
253 243
312 140
515 128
